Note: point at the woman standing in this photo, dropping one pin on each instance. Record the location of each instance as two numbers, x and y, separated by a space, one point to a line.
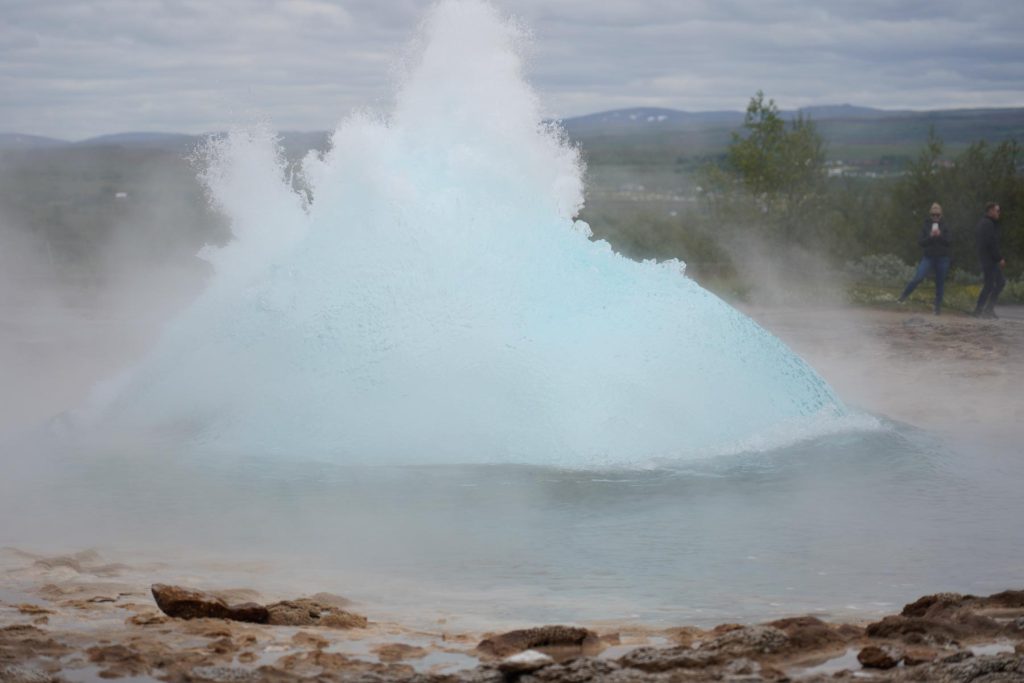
935 239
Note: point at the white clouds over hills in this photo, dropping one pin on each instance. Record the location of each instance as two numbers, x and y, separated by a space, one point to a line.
74 70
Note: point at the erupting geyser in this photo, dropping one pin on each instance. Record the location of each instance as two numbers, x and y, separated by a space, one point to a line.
430 299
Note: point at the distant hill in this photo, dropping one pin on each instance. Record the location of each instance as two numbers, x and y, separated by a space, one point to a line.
652 135
666 136
19 141
173 142
647 118
654 118
846 111
295 143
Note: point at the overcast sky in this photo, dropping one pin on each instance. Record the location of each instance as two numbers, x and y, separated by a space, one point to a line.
77 68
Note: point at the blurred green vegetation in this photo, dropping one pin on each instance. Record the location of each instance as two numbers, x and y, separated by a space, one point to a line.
778 194
806 205
84 210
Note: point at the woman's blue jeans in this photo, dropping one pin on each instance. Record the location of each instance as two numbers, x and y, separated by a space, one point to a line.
940 266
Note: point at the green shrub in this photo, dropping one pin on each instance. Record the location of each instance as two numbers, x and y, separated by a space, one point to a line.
1014 292
960 276
880 269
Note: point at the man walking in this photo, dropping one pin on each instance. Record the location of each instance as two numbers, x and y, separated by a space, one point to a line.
934 239
986 236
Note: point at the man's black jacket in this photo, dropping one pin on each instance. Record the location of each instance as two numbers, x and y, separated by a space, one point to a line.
986 237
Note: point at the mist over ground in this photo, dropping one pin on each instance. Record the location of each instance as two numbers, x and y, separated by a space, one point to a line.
97 250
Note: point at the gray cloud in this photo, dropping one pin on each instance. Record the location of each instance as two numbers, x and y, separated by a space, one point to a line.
72 69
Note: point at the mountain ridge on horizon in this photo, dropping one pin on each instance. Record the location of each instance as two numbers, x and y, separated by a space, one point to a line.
608 121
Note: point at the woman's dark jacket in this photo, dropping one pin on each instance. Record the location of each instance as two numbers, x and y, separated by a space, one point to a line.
937 245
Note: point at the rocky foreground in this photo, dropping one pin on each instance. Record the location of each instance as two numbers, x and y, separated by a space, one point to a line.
86 625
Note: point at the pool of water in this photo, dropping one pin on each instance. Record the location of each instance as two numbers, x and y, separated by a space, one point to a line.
845 526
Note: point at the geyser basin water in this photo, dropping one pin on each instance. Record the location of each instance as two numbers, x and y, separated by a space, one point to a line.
427 298
843 526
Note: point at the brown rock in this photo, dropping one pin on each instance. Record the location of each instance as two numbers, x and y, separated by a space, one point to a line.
1006 599
186 603
957 657
396 652
120 660
576 671
18 674
235 596
930 605
948 617
314 661
684 635
21 630
331 600
310 640
875 657
32 609
939 631
749 641
808 633
343 620
224 674
541 637
990 669
525 662
323 665
249 612
307 612
293 613
849 631
733 643
28 641
913 630
654 659
222 646
207 629
742 669
183 603
918 656
146 620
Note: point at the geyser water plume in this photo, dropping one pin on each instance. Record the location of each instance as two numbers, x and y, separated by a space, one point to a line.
431 300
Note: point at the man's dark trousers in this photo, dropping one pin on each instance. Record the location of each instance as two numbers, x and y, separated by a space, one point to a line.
994 283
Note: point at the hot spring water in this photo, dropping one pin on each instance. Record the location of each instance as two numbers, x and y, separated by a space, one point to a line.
415 381
845 526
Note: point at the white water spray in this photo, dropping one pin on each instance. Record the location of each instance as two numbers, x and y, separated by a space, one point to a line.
434 302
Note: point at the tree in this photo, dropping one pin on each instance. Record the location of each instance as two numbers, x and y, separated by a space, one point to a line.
922 183
984 173
773 175
773 162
